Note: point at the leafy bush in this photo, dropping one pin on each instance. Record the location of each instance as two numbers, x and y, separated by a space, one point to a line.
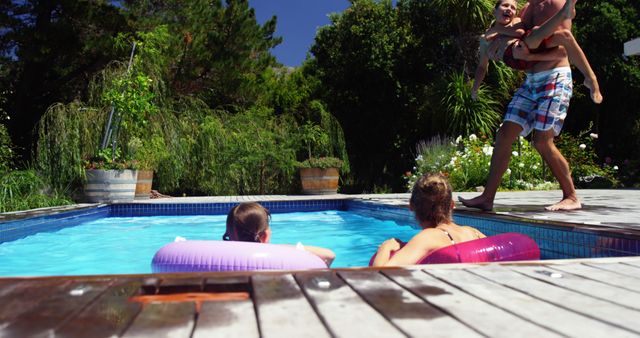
580 153
24 189
466 161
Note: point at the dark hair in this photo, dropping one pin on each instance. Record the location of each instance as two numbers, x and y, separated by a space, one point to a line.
247 221
431 200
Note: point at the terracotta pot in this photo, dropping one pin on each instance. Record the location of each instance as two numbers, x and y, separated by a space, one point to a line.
143 185
106 186
316 181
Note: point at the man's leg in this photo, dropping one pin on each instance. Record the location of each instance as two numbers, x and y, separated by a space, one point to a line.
543 142
507 134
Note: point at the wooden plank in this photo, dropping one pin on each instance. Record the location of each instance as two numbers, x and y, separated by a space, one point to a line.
619 268
164 320
580 284
227 319
604 276
411 314
283 310
595 308
50 313
554 318
342 309
485 318
107 316
636 264
25 295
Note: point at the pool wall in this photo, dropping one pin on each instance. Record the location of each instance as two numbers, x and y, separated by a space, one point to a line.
556 241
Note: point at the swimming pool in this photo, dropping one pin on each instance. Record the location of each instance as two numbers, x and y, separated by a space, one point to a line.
80 232
125 245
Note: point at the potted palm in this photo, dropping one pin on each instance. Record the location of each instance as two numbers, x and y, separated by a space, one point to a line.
319 173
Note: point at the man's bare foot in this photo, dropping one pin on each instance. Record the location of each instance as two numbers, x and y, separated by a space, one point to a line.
479 202
569 9
565 204
594 89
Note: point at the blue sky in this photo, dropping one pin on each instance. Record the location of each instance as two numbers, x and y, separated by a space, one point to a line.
297 23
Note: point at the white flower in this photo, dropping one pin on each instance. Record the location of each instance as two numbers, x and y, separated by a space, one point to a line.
535 167
473 137
521 137
593 135
487 150
508 171
414 168
459 139
514 153
583 146
615 167
521 165
419 158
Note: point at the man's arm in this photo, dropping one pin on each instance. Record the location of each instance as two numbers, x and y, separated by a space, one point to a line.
526 16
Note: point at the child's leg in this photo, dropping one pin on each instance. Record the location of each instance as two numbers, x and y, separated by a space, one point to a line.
538 34
577 58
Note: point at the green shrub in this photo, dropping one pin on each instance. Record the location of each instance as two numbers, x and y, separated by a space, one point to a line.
466 162
581 154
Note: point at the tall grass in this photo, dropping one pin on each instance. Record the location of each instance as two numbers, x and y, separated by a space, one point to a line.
24 189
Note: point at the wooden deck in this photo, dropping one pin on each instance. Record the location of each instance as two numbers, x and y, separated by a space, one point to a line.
585 298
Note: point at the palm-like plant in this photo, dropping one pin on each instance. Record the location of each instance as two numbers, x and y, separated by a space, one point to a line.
465 115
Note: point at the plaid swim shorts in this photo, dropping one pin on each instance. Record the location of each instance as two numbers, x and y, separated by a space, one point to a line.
541 103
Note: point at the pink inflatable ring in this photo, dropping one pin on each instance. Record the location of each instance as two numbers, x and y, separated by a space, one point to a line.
509 246
194 256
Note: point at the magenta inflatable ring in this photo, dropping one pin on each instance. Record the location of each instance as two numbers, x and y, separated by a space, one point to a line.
197 256
505 247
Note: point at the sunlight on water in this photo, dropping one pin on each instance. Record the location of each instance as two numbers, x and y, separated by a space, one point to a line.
126 245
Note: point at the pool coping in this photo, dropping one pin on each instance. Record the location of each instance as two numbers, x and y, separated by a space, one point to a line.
399 200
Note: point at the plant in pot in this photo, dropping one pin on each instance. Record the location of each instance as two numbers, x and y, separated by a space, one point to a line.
148 152
112 173
319 173
109 177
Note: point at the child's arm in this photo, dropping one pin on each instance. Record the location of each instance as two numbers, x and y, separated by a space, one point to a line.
325 254
481 70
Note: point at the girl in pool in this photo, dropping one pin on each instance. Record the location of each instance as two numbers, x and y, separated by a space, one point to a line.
507 41
249 222
433 207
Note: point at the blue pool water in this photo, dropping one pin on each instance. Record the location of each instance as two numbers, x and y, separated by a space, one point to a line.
126 245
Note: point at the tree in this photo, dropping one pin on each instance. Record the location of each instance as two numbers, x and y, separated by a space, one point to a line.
50 50
219 50
602 27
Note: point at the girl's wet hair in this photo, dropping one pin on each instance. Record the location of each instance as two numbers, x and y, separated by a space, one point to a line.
431 200
247 221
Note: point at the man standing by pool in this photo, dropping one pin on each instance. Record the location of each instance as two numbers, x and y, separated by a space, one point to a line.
540 105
